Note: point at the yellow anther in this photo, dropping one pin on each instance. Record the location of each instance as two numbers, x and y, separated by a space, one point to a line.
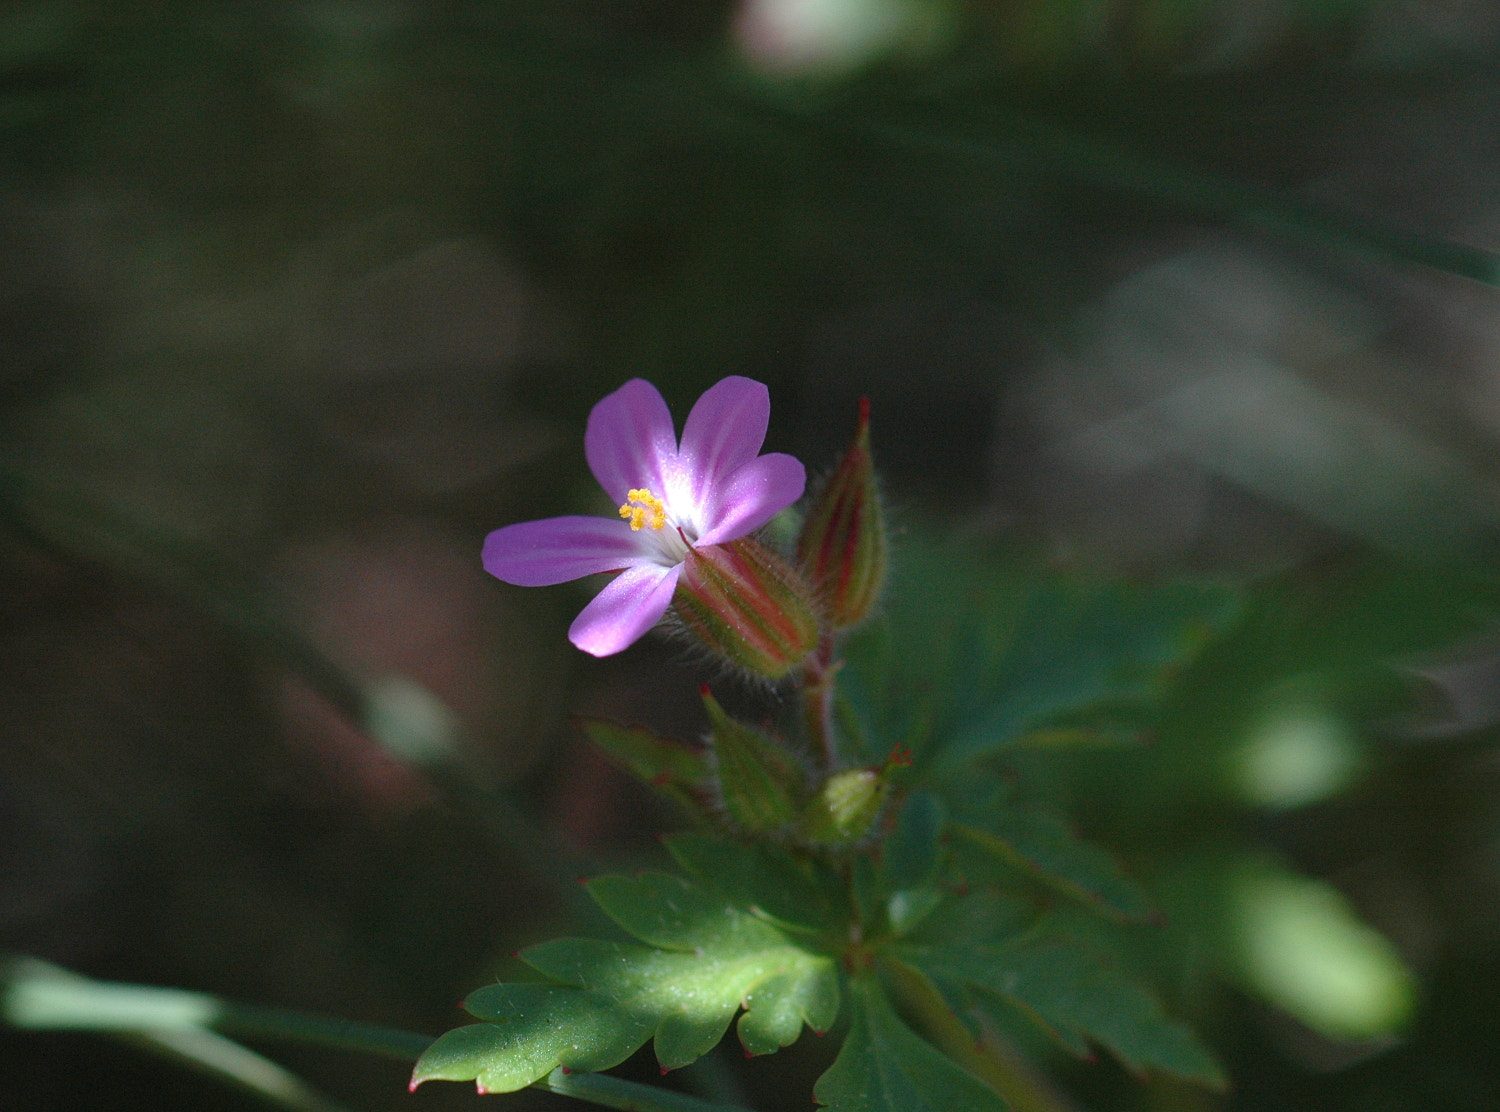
647 511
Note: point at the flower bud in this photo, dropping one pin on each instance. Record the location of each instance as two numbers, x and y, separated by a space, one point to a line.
748 605
848 805
842 548
761 783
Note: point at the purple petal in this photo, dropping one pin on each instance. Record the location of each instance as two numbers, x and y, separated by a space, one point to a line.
753 495
621 613
557 549
629 439
724 432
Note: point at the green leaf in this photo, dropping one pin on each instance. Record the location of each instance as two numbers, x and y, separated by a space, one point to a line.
909 854
983 915
974 654
795 892
1074 995
708 959
688 998
531 1030
676 914
884 1066
1077 646
713 957
1042 844
670 767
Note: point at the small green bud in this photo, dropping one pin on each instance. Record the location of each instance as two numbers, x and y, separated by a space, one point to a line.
761 783
846 808
849 803
842 547
748 605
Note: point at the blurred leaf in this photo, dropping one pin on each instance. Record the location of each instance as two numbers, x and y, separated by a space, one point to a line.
1071 993
1301 946
987 654
909 854
1079 646
1041 844
886 1067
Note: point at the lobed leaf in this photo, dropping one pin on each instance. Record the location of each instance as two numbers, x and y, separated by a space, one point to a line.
884 1066
1073 647
793 891
531 1030
687 999
1042 844
973 655
708 958
1074 995
675 914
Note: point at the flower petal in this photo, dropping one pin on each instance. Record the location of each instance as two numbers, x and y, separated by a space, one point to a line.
723 433
622 613
557 549
630 440
753 495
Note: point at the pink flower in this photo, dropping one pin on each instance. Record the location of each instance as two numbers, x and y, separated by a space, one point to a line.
715 488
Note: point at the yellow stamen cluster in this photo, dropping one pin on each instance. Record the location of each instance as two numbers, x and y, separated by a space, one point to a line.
649 510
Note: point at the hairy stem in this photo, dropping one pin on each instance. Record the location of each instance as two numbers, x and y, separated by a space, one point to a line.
818 682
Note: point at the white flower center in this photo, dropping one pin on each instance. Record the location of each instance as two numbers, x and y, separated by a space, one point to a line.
648 514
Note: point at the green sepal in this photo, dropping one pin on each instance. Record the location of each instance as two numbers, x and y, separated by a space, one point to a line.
884 1066
761 783
671 767
794 891
747 604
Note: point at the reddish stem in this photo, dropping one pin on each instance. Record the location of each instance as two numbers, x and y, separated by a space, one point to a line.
819 677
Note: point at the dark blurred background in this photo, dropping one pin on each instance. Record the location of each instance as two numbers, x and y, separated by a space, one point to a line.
300 299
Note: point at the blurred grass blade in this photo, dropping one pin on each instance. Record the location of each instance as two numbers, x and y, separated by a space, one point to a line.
39 996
